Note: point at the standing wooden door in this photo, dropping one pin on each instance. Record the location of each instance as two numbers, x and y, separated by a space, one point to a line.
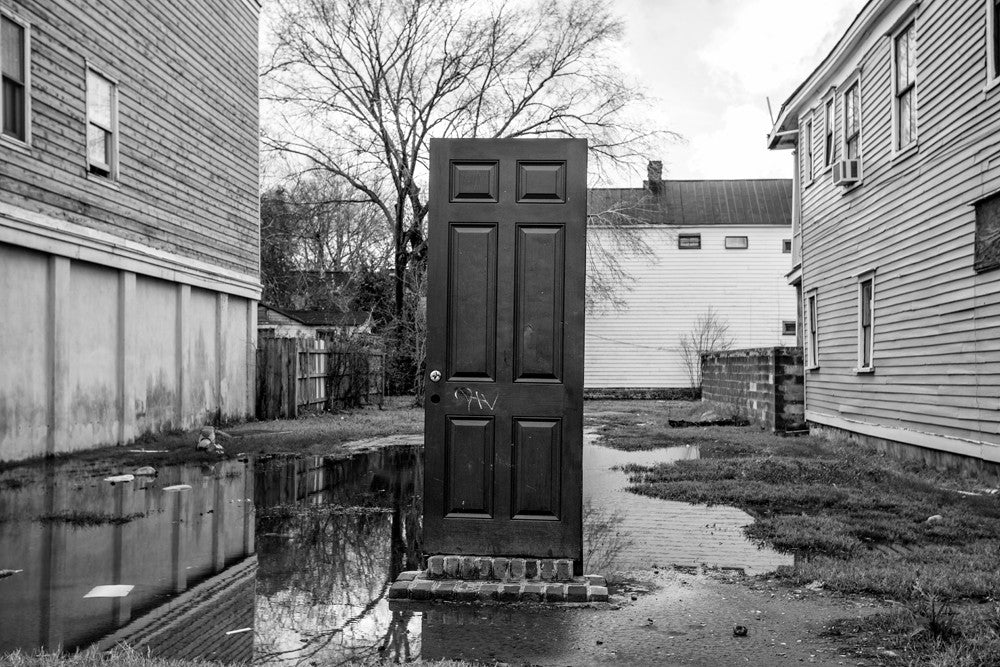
505 318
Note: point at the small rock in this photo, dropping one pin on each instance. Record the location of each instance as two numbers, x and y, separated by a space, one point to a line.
934 519
740 631
146 471
815 585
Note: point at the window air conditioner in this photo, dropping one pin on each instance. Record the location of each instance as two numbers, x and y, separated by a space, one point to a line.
846 172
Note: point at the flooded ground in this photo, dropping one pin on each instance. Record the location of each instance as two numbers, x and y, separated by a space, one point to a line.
184 564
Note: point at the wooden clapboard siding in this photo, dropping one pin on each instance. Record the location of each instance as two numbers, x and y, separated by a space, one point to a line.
637 346
936 321
187 101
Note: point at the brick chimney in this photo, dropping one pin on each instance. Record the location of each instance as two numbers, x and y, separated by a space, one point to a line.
654 176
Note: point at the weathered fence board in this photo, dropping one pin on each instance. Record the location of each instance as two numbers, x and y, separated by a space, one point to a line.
296 374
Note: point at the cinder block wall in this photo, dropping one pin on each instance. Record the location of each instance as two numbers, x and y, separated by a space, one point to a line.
764 384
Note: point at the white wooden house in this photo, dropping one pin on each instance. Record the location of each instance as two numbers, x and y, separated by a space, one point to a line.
330 324
129 219
723 245
896 142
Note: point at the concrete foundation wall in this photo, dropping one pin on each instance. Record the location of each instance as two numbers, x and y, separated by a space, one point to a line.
95 355
764 384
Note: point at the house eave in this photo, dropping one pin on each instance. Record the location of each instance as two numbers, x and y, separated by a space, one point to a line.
823 76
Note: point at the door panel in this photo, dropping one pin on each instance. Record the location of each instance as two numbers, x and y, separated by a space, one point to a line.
469 444
472 302
505 318
537 449
540 271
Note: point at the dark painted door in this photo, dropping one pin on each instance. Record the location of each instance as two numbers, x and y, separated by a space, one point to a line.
505 318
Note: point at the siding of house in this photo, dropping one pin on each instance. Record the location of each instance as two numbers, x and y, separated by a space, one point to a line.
187 99
936 345
129 306
638 345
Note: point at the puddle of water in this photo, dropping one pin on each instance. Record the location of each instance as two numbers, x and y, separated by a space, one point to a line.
139 534
665 533
300 575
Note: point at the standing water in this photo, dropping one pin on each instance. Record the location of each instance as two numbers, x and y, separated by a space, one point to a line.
288 560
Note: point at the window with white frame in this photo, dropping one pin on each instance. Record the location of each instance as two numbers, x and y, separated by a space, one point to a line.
807 151
993 41
904 65
786 245
812 331
15 64
852 121
102 124
737 243
788 328
866 321
829 110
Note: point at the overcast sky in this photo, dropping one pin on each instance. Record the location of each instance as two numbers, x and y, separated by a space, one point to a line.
712 64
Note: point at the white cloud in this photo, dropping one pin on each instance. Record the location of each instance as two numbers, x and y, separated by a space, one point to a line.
735 149
769 46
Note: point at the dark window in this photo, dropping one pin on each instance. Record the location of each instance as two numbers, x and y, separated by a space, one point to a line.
807 151
852 121
786 245
813 329
14 68
906 83
788 328
689 241
737 243
828 127
995 39
865 294
988 233
101 124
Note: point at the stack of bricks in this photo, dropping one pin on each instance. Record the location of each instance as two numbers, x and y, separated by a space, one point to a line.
492 579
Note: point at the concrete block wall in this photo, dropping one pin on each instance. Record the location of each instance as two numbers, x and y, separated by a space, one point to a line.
765 385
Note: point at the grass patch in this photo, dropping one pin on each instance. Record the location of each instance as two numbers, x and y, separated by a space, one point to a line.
860 522
129 657
84 518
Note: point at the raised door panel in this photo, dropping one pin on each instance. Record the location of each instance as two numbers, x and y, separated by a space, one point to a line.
472 302
469 470
537 466
540 261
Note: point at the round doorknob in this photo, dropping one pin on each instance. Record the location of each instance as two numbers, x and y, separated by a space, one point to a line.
435 376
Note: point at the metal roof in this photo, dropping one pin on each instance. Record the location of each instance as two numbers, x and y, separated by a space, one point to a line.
683 203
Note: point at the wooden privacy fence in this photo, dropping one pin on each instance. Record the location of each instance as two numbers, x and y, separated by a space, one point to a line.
296 374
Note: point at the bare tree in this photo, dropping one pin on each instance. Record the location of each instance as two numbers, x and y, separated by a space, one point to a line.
710 333
357 88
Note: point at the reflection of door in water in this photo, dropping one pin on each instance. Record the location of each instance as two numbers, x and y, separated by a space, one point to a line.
505 317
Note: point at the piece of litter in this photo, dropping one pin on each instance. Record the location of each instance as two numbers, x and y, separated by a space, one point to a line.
934 519
110 591
114 479
146 471
9 573
236 632
147 451
178 487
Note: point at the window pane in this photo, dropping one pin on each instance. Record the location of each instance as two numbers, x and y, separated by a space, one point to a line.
98 146
911 54
13 109
905 118
98 100
12 39
737 242
902 62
